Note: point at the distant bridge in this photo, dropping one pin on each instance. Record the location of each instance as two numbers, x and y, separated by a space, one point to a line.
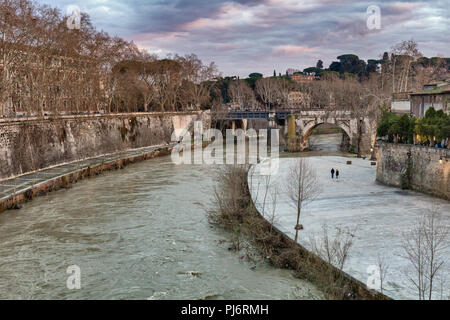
249 114
360 131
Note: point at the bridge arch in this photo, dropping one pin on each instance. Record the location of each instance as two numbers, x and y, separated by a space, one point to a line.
232 125
309 126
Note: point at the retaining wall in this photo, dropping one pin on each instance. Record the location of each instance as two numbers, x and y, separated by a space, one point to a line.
31 144
429 168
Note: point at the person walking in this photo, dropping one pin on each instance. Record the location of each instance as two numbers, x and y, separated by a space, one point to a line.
337 174
332 173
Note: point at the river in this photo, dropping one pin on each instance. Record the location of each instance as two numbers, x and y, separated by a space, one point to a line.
136 233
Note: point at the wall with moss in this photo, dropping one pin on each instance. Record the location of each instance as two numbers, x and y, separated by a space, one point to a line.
31 144
422 170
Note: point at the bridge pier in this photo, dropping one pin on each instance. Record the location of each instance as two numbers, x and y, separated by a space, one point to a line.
244 124
361 132
239 124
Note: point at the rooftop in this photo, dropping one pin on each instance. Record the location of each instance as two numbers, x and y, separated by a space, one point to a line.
436 87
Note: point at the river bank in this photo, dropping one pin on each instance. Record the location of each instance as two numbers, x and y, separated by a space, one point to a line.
379 215
234 209
23 188
137 233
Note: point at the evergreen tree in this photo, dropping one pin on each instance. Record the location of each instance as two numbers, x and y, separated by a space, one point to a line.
319 64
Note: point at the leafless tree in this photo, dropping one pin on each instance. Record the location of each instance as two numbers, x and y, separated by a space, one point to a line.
333 248
403 54
301 187
383 268
198 81
48 68
268 91
425 246
274 203
241 93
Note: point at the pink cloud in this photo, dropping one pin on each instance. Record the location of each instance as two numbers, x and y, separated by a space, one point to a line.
207 23
291 50
407 5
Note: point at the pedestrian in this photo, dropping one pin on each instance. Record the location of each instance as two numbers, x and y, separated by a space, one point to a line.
332 173
337 174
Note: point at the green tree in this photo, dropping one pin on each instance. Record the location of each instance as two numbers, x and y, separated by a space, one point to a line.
255 75
392 125
314 70
319 64
435 125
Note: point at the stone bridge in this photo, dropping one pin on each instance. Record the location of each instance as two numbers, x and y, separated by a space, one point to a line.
360 132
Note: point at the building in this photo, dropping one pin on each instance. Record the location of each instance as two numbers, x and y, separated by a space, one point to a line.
401 102
435 94
301 78
297 100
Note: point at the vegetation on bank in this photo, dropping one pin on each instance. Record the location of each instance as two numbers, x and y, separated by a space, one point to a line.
234 210
432 129
83 70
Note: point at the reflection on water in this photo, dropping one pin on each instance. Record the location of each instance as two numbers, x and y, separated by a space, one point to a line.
137 233
325 142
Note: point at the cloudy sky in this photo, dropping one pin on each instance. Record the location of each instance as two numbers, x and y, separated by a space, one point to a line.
244 36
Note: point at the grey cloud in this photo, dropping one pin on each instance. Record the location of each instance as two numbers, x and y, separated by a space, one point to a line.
333 27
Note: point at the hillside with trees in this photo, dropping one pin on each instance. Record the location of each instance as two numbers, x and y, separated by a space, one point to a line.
402 69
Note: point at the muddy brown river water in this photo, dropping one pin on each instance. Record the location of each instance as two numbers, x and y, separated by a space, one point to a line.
136 233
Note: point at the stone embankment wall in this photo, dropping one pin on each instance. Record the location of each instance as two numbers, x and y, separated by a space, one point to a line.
31 144
428 170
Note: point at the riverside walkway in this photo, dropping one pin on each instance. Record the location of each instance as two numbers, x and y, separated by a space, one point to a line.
375 215
20 184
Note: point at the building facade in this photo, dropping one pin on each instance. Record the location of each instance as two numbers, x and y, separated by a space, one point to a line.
297 100
301 78
435 94
401 102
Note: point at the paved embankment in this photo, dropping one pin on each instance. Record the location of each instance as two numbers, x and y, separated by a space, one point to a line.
377 215
30 144
22 188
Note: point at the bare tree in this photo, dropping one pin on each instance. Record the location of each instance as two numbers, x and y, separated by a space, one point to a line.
425 246
269 199
274 201
267 89
403 54
241 93
197 81
301 187
383 268
48 68
334 249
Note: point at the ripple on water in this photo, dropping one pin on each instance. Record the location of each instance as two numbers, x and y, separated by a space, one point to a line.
137 233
